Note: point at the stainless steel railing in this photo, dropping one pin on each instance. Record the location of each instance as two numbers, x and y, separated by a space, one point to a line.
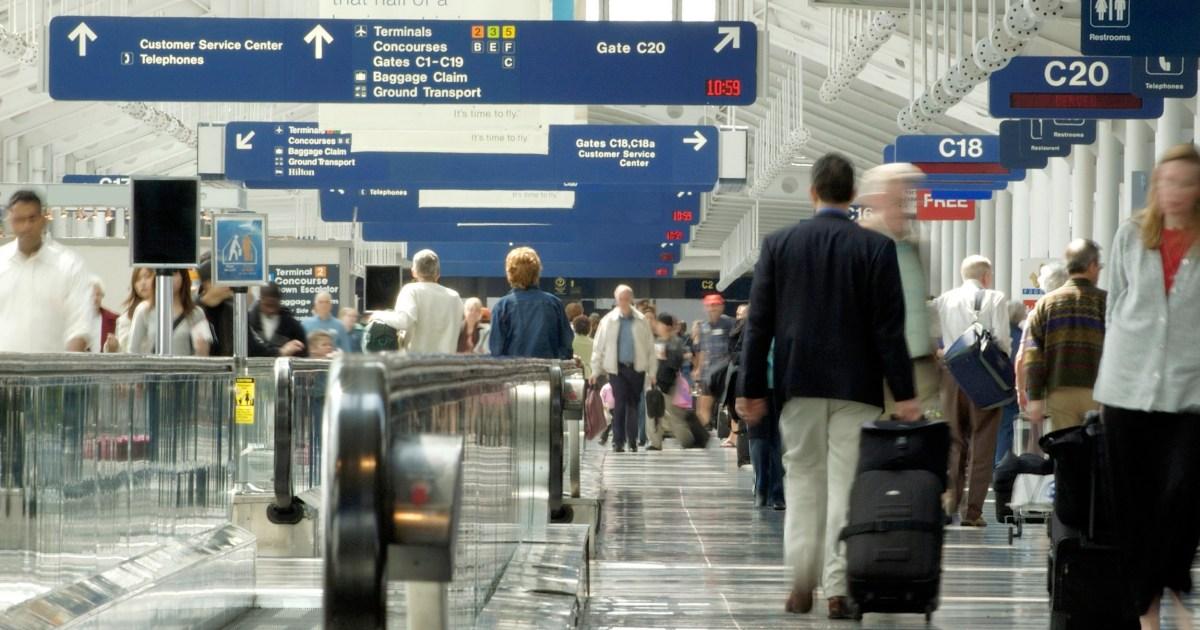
509 415
104 458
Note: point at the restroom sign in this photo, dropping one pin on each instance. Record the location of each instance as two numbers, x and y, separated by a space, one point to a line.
931 209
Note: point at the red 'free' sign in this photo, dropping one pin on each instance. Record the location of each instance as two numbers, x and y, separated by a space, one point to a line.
930 209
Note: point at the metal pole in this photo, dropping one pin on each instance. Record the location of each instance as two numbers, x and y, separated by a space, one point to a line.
241 326
164 296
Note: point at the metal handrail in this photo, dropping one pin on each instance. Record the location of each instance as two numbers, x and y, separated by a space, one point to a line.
287 509
15 364
364 392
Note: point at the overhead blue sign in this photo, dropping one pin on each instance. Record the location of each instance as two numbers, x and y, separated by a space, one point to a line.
510 231
1139 27
956 195
1089 87
584 252
240 246
301 155
402 61
553 268
958 149
976 183
1030 143
632 208
108 180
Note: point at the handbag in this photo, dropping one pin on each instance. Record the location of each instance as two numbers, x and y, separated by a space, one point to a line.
683 393
656 404
980 367
593 414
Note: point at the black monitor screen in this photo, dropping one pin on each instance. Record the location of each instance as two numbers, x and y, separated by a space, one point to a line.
383 285
165 222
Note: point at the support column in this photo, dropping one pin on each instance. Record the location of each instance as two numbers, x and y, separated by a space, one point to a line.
960 243
1004 234
985 218
973 237
1169 130
931 254
949 265
1020 234
1138 157
1040 209
1108 174
1060 206
1083 196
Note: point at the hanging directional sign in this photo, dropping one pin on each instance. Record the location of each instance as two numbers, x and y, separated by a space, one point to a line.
930 208
633 208
402 61
584 252
1089 87
951 159
512 231
1140 27
981 183
1030 143
948 194
301 155
108 180
553 268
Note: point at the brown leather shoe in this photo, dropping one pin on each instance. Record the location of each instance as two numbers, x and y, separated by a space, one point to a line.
800 601
841 608
974 522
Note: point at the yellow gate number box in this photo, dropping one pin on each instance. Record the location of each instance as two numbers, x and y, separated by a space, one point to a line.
244 398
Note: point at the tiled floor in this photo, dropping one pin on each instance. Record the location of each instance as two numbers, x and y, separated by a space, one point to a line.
682 546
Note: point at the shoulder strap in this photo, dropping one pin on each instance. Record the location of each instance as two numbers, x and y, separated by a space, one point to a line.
979 301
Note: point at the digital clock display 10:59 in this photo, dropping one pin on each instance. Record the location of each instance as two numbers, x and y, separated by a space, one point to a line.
723 87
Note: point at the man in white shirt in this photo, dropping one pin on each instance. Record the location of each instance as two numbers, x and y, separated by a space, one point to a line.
973 430
45 292
428 314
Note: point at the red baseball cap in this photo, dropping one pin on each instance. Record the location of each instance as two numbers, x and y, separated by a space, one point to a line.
714 299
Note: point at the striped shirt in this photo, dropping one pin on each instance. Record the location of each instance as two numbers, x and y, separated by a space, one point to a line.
1066 338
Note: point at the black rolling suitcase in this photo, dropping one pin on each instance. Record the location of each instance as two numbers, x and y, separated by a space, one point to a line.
895 526
1087 589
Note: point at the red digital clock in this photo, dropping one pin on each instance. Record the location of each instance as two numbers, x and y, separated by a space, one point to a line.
674 235
666 257
662 272
682 216
723 87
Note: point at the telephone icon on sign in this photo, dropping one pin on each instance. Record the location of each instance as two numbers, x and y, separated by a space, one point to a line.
1164 65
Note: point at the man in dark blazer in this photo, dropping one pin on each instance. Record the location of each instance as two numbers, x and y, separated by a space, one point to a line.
828 292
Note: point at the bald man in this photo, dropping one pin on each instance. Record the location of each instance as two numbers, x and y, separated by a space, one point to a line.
624 350
323 319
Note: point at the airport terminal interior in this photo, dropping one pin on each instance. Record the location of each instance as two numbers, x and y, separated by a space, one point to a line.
521 314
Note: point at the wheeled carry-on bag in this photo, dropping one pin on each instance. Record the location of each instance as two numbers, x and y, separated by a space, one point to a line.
895 527
1087 588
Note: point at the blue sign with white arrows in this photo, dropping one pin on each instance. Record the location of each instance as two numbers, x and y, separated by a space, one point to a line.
1140 27
402 61
1089 87
301 155
508 231
633 208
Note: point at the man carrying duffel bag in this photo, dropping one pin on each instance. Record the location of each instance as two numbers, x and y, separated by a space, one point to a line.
974 325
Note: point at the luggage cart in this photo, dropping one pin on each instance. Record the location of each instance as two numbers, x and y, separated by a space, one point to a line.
1033 494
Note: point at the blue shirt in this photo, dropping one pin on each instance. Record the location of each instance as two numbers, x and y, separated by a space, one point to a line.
626 346
530 323
341 339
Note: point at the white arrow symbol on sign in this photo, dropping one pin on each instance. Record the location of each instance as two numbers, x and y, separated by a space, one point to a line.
697 139
83 34
733 35
243 142
318 37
